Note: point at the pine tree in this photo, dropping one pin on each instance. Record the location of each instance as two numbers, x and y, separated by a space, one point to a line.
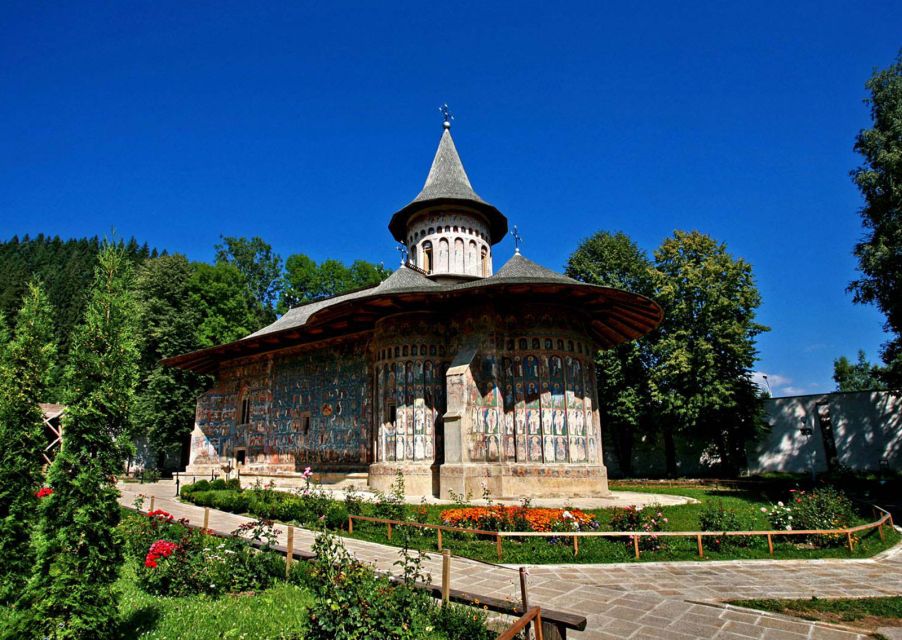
71 593
23 375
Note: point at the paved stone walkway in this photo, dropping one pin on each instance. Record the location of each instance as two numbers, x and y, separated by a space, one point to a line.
656 600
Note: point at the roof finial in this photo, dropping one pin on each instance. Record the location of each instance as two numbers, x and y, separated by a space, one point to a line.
402 249
446 114
517 240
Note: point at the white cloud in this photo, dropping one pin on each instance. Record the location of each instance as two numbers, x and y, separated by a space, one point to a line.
775 383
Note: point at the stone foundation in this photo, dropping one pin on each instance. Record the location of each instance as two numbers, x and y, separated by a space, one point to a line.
419 479
517 481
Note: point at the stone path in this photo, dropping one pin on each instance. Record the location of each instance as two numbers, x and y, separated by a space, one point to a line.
657 600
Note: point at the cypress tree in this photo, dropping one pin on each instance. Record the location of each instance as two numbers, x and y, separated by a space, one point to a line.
71 593
25 363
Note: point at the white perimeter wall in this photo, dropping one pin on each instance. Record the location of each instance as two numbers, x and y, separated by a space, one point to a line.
867 427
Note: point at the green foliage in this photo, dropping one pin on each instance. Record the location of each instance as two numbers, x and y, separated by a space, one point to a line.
861 376
24 366
641 519
71 593
260 267
461 622
164 406
884 609
880 181
351 602
391 505
716 516
614 260
65 268
701 380
305 281
228 310
823 508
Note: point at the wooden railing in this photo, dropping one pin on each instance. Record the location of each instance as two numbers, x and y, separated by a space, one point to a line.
884 520
533 614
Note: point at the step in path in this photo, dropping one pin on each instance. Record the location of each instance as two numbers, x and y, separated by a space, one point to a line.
657 600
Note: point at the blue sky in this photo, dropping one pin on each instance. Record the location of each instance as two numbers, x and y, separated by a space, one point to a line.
309 124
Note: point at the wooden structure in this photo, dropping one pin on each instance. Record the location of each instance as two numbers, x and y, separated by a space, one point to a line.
53 429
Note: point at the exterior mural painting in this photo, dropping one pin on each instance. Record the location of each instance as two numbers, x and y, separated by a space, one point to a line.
448 373
298 409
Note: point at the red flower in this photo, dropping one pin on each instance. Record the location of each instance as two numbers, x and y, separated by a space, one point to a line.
159 513
159 549
43 492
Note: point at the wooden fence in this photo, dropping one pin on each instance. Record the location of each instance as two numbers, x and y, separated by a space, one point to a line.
553 624
534 614
884 520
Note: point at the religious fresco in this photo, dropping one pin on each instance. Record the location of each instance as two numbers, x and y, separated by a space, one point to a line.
302 408
534 406
414 390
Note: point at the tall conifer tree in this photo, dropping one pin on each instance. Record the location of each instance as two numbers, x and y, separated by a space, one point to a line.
71 594
24 364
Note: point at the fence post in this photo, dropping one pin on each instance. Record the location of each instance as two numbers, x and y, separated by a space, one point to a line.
388 524
498 545
177 484
540 628
575 546
446 576
350 524
636 546
524 596
289 556
153 499
206 518
851 543
440 539
701 551
880 530
770 543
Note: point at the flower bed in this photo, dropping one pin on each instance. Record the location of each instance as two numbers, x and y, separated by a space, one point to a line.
501 518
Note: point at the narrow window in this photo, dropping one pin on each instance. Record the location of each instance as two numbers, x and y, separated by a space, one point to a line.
306 424
485 263
245 410
427 257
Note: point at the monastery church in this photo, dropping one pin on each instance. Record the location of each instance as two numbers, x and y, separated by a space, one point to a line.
455 374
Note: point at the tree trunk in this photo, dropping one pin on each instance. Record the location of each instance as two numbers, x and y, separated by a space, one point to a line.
670 452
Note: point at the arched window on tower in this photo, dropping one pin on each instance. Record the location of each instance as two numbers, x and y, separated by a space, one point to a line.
471 259
484 260
443 256
427 256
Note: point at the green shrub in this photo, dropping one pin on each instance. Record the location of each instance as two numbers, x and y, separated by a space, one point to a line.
460 622
715 516
644 519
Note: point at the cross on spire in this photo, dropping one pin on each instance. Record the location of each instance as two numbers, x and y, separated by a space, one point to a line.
402 249
517 240
446 114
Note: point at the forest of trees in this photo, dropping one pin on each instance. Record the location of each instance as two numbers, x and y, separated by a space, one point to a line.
181 305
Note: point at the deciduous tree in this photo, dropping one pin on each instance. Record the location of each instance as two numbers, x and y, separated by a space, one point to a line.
701 380
261 268
879 179
169 321
860 376
614 260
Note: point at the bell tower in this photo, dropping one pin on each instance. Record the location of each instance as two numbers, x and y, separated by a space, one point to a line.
448 230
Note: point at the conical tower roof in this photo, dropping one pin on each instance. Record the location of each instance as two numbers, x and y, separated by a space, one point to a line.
447 183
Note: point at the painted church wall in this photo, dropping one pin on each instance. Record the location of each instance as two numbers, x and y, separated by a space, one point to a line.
303 408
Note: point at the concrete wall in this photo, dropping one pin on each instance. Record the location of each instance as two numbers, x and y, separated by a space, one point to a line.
867 428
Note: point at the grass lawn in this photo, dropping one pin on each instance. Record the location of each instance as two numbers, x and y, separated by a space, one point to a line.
598 550
864 613
747 503
279 613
